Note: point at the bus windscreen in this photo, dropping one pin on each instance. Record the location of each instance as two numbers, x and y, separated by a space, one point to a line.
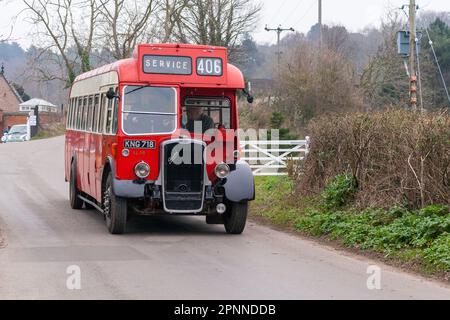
149 110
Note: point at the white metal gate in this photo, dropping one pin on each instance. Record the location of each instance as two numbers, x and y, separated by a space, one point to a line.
270 158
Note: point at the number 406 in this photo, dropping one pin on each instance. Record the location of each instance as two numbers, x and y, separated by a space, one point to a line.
207 66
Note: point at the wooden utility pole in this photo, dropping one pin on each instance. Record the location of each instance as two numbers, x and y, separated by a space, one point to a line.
412 54
320 24
279 30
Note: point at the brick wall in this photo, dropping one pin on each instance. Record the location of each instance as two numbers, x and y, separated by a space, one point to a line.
12 118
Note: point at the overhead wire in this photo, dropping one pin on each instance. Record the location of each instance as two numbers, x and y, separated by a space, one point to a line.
294 11
277 12
306 12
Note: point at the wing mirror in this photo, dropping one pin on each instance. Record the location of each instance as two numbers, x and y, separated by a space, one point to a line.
250 98
111 94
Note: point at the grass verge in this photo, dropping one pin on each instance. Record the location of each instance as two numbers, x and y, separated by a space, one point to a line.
417 240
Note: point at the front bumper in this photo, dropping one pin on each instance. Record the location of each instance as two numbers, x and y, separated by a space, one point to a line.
146 197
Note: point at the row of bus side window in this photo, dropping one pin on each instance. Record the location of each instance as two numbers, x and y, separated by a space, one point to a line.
93 113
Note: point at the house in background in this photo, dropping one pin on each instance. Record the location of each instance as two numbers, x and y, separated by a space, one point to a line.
13 110
10 102
9 98
44 106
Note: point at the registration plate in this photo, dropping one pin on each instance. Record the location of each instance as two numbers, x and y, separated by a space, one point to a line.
139 144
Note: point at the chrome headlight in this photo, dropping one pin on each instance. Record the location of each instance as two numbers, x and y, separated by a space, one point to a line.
222 170
142 170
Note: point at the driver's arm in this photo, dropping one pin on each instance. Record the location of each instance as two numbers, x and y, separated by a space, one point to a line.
208 123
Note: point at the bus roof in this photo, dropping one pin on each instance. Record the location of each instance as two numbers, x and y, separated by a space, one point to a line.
164 63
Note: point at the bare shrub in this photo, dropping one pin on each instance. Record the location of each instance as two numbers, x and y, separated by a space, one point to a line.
396 157
314 82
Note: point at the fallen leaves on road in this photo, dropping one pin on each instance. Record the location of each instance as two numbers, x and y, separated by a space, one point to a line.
2 240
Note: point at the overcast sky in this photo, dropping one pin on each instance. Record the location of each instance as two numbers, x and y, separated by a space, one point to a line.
299 14
353 14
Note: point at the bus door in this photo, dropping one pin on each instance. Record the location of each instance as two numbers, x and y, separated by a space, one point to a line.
96 157
95 139
87 146
81 143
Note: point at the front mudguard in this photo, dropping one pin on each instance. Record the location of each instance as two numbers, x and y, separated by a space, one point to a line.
239 186
124 188
128 189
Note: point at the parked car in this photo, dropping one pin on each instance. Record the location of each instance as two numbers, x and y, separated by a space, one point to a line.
3 138
17 133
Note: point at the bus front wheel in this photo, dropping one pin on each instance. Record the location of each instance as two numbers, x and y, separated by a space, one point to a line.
115 209
75 201
236 217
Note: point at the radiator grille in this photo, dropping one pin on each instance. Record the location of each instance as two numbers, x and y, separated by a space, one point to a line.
184 172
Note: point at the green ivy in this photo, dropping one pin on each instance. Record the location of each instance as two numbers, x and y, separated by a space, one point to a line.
339 192
422 236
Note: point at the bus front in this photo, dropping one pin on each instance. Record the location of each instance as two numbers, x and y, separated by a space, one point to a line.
178 149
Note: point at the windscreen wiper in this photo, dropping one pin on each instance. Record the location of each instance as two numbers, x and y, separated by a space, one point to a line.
137 89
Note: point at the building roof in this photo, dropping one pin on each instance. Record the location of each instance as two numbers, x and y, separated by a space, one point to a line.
37 102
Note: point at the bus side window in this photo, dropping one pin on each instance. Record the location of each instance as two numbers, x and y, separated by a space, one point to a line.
103 102
108 117
90 113
115 115
71 109
79 113
74 113
85 114
68 114
96 114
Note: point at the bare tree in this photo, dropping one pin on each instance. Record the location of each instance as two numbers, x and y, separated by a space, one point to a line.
56 22
170 16
314 82
217 22
336 38
4 37
428 17
384 81
127 23
78 30
84 40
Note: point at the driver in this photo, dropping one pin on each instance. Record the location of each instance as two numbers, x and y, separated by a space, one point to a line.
196 115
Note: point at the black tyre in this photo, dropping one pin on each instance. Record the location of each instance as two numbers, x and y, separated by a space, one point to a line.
115 209
236 217
75 202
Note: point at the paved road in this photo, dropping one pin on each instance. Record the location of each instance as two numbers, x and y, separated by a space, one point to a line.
163 257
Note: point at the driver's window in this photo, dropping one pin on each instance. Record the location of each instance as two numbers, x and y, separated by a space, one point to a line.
209 113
